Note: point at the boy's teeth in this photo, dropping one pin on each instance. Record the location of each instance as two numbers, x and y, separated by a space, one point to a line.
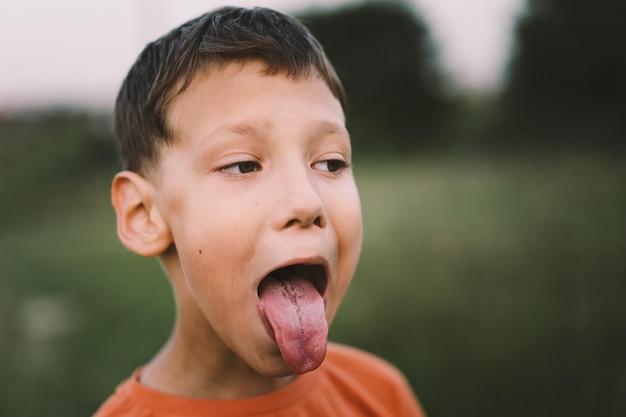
295 310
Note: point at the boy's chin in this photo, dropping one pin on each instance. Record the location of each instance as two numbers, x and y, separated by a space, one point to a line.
282 371
275 368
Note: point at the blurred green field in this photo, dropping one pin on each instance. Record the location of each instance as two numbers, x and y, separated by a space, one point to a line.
494 283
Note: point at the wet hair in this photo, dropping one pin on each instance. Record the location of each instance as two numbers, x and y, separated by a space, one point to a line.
167 66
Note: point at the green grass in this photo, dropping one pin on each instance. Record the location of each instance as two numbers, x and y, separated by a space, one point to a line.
495 284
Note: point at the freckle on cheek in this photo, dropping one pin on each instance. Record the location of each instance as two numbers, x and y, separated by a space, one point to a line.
200 251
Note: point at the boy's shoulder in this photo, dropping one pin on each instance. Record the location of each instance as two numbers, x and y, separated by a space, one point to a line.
365 373
349 382
343 358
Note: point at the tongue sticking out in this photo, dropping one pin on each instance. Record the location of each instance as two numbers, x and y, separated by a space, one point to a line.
295 310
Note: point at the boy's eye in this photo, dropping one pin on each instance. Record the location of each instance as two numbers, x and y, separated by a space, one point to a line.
331 165
244 167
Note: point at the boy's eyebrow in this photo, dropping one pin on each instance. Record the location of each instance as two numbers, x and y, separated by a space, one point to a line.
246 128
327 128
252 128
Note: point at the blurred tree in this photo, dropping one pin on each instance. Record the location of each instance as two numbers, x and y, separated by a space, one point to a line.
383 54
567 80
39 149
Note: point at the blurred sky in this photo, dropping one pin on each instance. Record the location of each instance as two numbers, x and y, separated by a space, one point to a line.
77 52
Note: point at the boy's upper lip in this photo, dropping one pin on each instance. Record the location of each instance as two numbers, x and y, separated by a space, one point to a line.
319 276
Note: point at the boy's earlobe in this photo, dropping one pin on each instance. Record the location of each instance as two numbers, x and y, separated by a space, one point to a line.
140 225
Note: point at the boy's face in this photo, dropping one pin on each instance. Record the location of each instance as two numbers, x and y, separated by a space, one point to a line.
257 179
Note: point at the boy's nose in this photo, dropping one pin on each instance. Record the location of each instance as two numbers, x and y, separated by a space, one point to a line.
301 204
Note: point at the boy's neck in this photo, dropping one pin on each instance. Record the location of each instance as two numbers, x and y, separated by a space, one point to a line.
186 367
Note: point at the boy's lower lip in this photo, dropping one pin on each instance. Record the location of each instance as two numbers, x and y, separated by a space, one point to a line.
266 323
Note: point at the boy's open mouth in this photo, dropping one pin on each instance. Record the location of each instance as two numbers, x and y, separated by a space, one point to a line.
315 274
292 301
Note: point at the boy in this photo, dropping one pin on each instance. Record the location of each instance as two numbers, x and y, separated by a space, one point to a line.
237 176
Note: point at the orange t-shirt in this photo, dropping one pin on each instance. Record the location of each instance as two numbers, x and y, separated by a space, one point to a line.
348 383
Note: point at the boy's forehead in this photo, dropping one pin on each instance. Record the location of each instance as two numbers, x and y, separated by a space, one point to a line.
216 88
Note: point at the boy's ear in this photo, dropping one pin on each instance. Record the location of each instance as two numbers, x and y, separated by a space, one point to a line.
140 225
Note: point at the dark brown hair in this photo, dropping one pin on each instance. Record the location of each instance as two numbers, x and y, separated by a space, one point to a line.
166 67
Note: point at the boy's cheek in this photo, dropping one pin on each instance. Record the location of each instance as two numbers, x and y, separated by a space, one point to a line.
351 227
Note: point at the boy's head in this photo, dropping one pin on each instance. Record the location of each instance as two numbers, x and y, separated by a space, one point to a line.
166 67
238 176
